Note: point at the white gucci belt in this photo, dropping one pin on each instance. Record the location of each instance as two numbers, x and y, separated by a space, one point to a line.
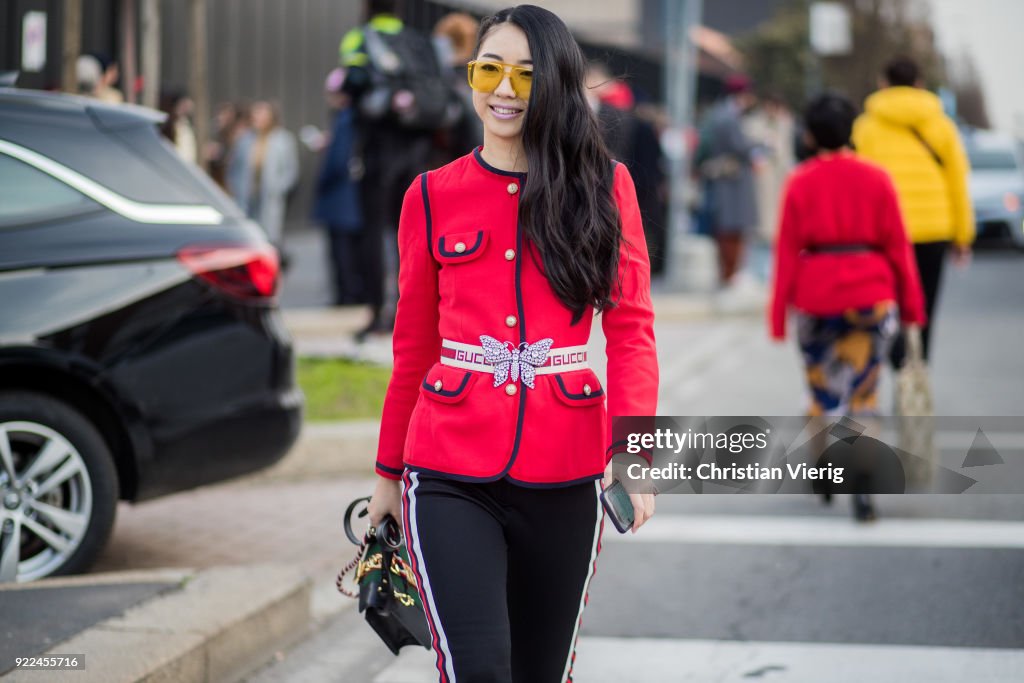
506 360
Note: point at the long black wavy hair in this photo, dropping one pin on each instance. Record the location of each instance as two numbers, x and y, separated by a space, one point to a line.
567 208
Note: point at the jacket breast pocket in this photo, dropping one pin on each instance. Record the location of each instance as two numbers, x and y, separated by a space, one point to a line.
578 389
446 384
460 247
457 252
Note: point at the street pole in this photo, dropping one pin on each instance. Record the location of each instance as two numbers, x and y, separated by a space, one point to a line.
151 53
681 17
198 84
72 48
128 61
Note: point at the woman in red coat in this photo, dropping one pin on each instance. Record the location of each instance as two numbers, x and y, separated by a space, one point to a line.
493 421
844 262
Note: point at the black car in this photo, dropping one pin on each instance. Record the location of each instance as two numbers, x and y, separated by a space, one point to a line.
141 348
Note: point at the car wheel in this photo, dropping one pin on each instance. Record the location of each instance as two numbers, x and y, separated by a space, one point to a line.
58 488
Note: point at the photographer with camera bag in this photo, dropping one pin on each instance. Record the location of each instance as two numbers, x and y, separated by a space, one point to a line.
401 99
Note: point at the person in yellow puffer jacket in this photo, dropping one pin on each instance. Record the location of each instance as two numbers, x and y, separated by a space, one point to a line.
904 130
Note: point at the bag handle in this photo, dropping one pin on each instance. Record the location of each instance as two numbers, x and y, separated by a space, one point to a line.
339 582
348 517
915 346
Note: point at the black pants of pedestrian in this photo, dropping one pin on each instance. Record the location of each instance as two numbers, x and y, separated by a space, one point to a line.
503 570
347 281
931 256
392 159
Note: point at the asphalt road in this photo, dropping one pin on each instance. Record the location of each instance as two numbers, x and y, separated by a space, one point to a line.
781 588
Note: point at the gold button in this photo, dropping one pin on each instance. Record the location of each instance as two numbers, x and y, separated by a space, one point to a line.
460 247
510 321
437 385
510 389
513 188
587 389
510 254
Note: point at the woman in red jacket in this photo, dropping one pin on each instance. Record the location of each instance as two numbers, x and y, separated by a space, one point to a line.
844 262
493 420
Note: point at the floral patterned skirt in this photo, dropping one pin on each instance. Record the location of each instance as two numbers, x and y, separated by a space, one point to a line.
844 355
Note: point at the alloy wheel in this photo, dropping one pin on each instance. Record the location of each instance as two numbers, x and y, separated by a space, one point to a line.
45 500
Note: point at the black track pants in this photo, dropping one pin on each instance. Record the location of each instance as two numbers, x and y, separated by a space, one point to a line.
504 571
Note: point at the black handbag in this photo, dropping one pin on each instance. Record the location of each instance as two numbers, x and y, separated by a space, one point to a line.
388 592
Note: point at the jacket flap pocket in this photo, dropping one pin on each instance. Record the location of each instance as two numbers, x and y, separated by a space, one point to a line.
460 247
581 388
447 384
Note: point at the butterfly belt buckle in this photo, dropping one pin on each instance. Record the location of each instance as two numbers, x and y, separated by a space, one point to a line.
515 361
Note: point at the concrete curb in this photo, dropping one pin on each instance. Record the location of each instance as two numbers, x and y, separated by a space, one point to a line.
107 579
220 625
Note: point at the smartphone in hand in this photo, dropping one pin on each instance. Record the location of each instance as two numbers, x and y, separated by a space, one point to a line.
619 507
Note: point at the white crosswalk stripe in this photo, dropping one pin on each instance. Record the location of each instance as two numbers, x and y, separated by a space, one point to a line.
828 531
677 660
615 660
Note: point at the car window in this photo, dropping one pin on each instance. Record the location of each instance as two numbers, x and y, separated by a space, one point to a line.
992 159
131 160
28 194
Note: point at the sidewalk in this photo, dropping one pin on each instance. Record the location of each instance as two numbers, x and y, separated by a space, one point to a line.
161 625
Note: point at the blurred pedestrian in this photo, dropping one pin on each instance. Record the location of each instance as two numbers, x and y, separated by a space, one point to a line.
728 172
177 127
273 168
524 239
614 121
401 98
455 38
218 149
770 126
88 73
904 130
632 140
337 205
239 143
844 262
110 74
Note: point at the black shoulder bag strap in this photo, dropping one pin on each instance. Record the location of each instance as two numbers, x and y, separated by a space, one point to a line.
931 150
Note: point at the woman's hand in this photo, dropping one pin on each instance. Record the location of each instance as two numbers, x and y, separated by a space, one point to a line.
386 500
961 255
643 503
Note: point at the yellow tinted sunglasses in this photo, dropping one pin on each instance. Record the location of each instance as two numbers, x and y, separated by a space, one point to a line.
487 76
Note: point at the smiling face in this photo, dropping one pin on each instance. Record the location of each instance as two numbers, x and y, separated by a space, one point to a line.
503 111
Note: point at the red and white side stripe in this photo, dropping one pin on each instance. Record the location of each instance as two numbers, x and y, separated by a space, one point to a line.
596 549
439 640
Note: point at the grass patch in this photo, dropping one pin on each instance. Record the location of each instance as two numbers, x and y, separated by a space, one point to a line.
339 389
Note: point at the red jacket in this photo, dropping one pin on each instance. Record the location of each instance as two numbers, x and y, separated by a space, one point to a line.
467 270
835 201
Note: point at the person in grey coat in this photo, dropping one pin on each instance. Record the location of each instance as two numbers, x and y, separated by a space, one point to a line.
274 168
728 171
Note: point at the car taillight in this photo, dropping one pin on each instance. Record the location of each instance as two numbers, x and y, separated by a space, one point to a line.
243 272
